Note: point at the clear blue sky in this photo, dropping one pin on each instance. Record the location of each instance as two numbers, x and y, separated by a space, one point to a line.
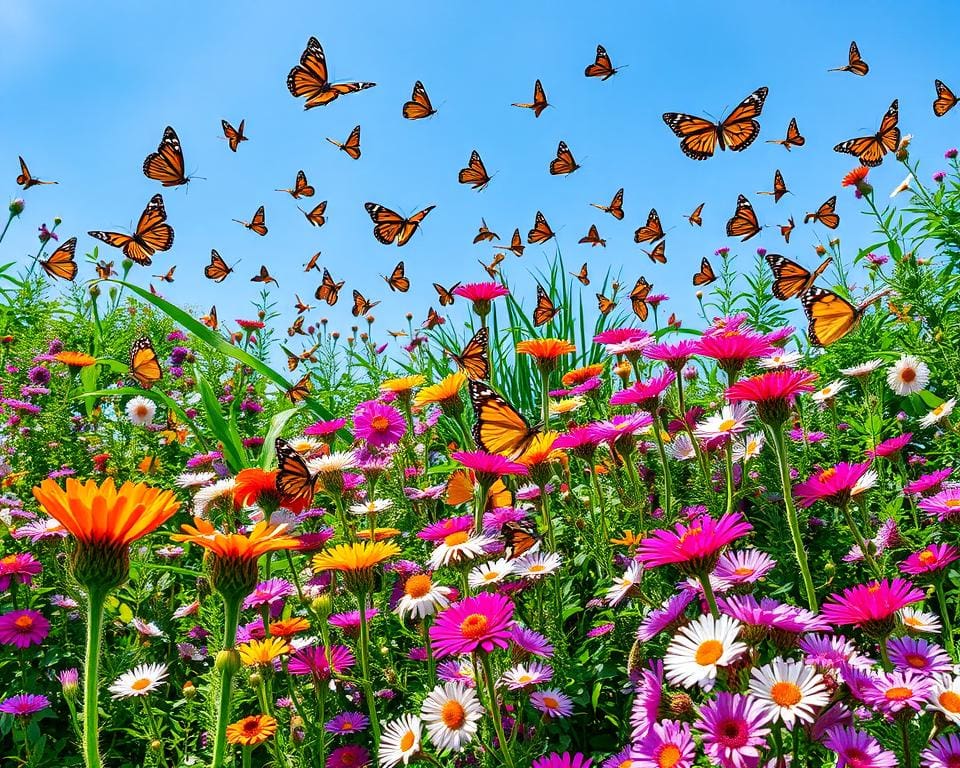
89 87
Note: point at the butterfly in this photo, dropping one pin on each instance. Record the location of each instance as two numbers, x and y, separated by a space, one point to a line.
484 234
61 262
309 78
539 100
582 275
744 221
151 235
300 187
498 427
294 481
658 255
398 280
793 137
316 215
945 101
397 334
831 317
516 243
264 277
168 277
390 226
328 290
604 304
492 266
217 270
312 262
104 269
296 328
144 365
564 162
300 306
475 173
154 291
545 310
419 105
433 319
779 187
651 231
601 67
615 208
446 294
825 214
593 237
360 304
473 359
352 145
166 164
638 298
706 275
461 488
211 321
869 150
257 224
233 135
699 137
541 231
696 217
786 229
518 539
855 64
25 180
789 278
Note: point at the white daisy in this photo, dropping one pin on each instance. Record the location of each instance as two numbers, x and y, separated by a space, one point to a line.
139 681
917 620
867 481
524 675
536 565
305 445
209 494
863 370
903 186
945 697
827 393
780 360
750 447
492 572
908 375
421 597
699 648
372 507
788 691
400 741
194 479
682 448
732 420
459 546
451 713
338 461
141 410
939 413
621 587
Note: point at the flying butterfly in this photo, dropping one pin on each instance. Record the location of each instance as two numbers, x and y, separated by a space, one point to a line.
295 484
744 222
25 180
831 317
144 364
869 150
300 306
601 66
257 224
491 268
786 229
475 173
738 130
605 305
217 270
297 328
264 277
316 215
361 305
166 164
60 264
233 135
825 214
779 187
433 319
659 253
498 427
300 187
390 226
563 163
518 539
211 320
541 231
792 139
328 290
638 298
351 146
398 280
151 235
312 263
651 231
706 275
855 63
484 234
446 294
697 216
545 310
419 105
309 78
615 208
104 269
789 278
516 243
473 359
398 334
168 277
539 102
945 101
582 275
593 238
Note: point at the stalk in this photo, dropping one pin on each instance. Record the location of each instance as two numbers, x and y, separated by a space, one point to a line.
231 618
667 479
945 617
365 670
91 716
495 709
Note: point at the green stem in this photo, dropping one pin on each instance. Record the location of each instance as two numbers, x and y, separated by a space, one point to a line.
667 479
91 725
247 752
905 735
728 469
885 654
601 505
945 617
545 397
365 670
708 594
495 709
431 662
860 541
6 227
231 618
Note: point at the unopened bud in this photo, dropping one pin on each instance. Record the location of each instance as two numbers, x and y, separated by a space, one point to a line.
228 660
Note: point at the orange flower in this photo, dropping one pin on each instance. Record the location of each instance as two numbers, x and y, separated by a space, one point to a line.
580 375
565 405
446 393
856 177
75 359
379 534
255 485
540 450
629 539
149 465
289 627
358 556
545 349
403 384
252 730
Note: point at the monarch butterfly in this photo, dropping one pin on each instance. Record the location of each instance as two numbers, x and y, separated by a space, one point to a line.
516 243
151 235
25 180
696 217
491 268
869 150
518 539
855 63
779 187
601 67
738 130
419 105
473 359
475 173
541 231
498 426
706 275
301 390
446 294
830 316
390 226
60 263
312 263
316 215
484 234
352 145
658 255
825 214
361 305
233 135
166 164
264 277
328 290
564 162
309 78
460 489
211 320
539 100
300 187
651 231
945 101
294 481
793 137
593 237
638 298
582 275
615 208
300 306
104 269
744 221
144 365
545 310
168 277
786 229
296 328
217 270
789 278
433 319
257 224
398 280
397 334
604 304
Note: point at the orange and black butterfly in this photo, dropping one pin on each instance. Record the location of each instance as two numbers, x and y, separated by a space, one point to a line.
104 269
582 275
309 78
166 164
831 317
25 180
352 145
446 295
433 319
294 481
151 235
638 298
473 359
398 280
659 253
697 216
541 231
211 321
398 334
516 243
491 268
316 215
233 135
300 187
168 277
390 226
328 290
518 539
498 427
945 101
475 173
361 305
257 224
786 229
855 63
144 364
563 163
601 67
300 306
869 150
484 234
605 305
217 270
593 237
789 278
296 328
419 105
651 231
825 214
699 137
264 277
793 137
615 208
743 223
706 275
60 263
539 102
545 310
779 187
312 263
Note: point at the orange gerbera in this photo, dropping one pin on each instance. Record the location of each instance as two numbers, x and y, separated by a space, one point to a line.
256 486
580 375
252 730
358 556
446 393
75 359
289 627
856 177
545 349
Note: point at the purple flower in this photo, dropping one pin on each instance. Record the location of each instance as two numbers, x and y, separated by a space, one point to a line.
18 568
313 660
950 154
378 424
939 176
39 375
347 722
24 704
734 729
268 592
23 628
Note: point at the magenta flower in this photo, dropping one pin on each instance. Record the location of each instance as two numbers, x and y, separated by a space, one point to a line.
566 760
871 606
438 531
744 566
944 505
580 441
674 355
620 335
24 704
268 592
914 654
23 628
668 616
480 623
481 294
489 466
932 481
773 393
646 701
734 729
312 660
19 568
620 427
858 749
378 424
645 394
769 614
930 560
732 349
349 756
668 743
325 428
552 702
695 547
835 485
891 448
943 751
348 622
895 691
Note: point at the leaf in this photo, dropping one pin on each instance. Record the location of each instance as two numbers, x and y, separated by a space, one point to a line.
233 451
269 452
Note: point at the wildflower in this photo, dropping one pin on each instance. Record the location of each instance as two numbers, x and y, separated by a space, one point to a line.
668 744
944 750
698 649
481 295
252 730
529 641
829 392
858 749
445 393
780 360
835 485
669 614
623 586
552 702
788 691
18 568
421 597
944 505
673 355
693 548
732 420
645 394
873 606
476 623
263 652
348 756
566 760
491 572
858 178
939 414
928 561
830 652
400 741
582 375
903 186
536 565
355 561
23 628
894 691
917 620
75 359
451 713
321 663
403 386
732 349
377 424
524 675
944 695
918 655
139 681
734 729
459 546
545 352
773 393
347 723
908 375
141 410
268 592
16 206
325 428
24 704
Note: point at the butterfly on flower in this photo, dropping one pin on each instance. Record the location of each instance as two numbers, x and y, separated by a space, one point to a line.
518 539
294 481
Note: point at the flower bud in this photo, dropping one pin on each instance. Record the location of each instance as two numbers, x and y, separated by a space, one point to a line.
255 679
57 221
189 690
156 746
16 206
228 660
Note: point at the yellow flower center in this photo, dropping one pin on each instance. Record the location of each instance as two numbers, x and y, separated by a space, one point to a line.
743 571
938 410
550 703
407 741
453 715
474 626
24 622
524 679
953 502
691 533
380 423
950 701
726 425
491 575
536 568
708 652
927 557
455 539
668 756
346 726
912 621
8 560
827 475
898 693
785 694
140 683
418 585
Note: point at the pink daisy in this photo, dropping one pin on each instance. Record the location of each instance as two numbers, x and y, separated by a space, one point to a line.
489 467
942 752
744 566
732 349
481 295
674 355
18 568
23 628
827 652
349 756
620 429
918 655
944 505
620 335
930 560
530 641
734 729
324 428
378 424
646 701
669 743
268 592
890 449
834 485
645 394
858 749
24 704
552 702
313 660
479 623
773 393
438 531
873 606
695 547
898 690
667 617
932 481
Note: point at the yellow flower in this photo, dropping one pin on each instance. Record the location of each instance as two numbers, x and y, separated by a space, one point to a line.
402 384
379 534
540 449
252 730
443 392
359 556
263 652
566 405
75 359
545 349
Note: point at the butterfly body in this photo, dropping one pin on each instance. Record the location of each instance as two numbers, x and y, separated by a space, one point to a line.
419 105
601 67
294 481
831 317
699 137
539 102
151 235
390 227
545 310
233 135
300 187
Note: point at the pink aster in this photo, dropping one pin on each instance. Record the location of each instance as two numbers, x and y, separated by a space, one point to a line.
930 560
834 485
480 623
348 622
348 756
932 481
23 628
770 614
694 547
481 294
830 652
268 592
620 427
942 752
744 566
858 749
668 743
566 760
620 335
580 441
944 505
552 702
773 393
890 449
734 729
732 349
489 467
645 394
321 663
675 355
899 690
24 704
668 616
325 428
530 641
377 424
19 568
872 606
646 701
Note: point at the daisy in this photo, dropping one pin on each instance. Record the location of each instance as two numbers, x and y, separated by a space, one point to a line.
699 648
537 564
374 507
523 675
482 622
830 652
211 494
693 548
681 448
789 691
552 702
858 749
872 606
566 760
451 713
268 592
903 186
492 572
918 620
457 671
744 566
862 370
24 704
668 744
732 420
668 615
457 547
930 560
943 752
252 730
195 479
894 691
347 723
944 505
23 628
750 447
908 375
624 585
400 741
530 641
780 360
139 681
939 413
830 391
141 410
421 597
734 729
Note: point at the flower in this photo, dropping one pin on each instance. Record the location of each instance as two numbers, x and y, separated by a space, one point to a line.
858 749
491 572
732 420
479 623
943 751
918 655
733 348
856 178
320 662
451 712
917 620
481 294
348 756
535 565
891 447
670 613
944 696
445 393
347 722
325 428
693 548
939 414
252 730
624 585
908 375
378 424
139 681
552 702
355 560
263 652
582 375
524 675
779 360
24 704
289 627
789 691
830 391
402 385
668 744
421 597
18 568
255 486
529 641
929 560
141 410
944 505
903 186
488 466
675 355
566 760
545 351
23 628
698 649
744 566
459 546
645 394
835 485
773 393
268 592
871 606
75 359
733 728
892 692
400 741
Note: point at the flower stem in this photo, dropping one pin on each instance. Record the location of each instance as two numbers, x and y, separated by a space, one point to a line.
495 709
708 594
545 397
365 670
860 541
91 725
905 735
945 618
728 469
667 479
231 618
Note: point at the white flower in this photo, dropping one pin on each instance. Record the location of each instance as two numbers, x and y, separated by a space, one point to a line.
682 448
400 741
139 681
421 597
750 447
622 586
917 620
903 186
523 675
194 479
372 507
141 410
699 648
945 697
863 370
209 494
939 413
829 392
146 628
908 375
780 360
732 420
459 546
490 573
338 461
535 565
451 713
305 445
867 481
789 691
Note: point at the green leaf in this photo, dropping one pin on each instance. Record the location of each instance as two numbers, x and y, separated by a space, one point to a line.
268 452
232 446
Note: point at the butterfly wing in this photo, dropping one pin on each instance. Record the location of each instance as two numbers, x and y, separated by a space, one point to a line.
658 255
541 231
316 215
869 150
516 243
301 390
651 231
419 105
387 223
302 188
855 62
258 223
601 66
60 263
545 310
410 226
217 270
825 214
698 137
945 101
294 481
473 360
786 229
166 164
518 539
706 275
24 179
740 128
564 162
582 275
829 316
398 280
789 278
233 135
604 304
475 173
697 216
144 364
744 222
593 237
498 426
352 145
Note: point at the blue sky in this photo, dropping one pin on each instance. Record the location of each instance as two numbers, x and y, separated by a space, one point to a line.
89 88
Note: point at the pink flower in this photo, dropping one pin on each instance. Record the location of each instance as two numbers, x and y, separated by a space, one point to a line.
324 428
19 568
693 548
891 448
313 660
438 531
566 760
481 294
773 393
378 424
898 690
552 702
675 355
668 743
732 349
930 560
944 505
872 606
943 751
23 628
645 394
858 749
480 623
931 481
620 427
488 466
620 335
834 485
734 729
